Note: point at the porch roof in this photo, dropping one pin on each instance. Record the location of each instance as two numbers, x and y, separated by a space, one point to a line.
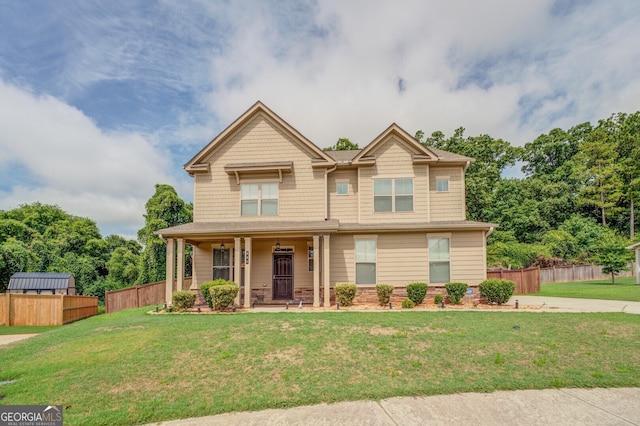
197 230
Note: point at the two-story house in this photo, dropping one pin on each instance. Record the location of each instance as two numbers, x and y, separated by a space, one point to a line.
288 221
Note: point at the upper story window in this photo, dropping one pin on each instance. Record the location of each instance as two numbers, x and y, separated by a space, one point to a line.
259 199
393 195
442 185
342 188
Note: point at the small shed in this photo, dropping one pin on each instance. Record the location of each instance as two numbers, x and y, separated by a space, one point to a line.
42 283
636 247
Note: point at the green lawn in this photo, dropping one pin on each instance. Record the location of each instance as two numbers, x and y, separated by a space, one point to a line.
4 330
130 367
624 289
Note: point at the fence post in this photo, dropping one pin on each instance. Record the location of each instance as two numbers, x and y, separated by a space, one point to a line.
137 296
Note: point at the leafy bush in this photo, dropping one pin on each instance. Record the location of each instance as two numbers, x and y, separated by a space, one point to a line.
497 290
416 292
438 299
345 293
183 300
204 289
384 293
456 291
222 296
408 304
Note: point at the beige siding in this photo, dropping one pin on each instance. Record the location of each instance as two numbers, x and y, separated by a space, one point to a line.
467 257
401 259
343 207
342 260
301 195
394 160
203 263
447 205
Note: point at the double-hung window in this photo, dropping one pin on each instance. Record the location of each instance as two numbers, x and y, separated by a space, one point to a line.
393 195
365 253
259 199
439 260
221 264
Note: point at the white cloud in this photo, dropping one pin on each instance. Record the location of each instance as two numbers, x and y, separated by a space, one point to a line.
107 177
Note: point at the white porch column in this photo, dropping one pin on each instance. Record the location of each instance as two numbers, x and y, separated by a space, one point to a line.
170 272
326 267
316 271
638 265
237 250
180 271
247 272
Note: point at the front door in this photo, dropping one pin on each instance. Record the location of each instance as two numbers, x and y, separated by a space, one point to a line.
283 276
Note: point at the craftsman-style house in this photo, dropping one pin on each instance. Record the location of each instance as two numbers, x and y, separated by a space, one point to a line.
288 221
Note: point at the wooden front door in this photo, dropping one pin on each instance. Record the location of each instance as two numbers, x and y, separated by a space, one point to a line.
282 276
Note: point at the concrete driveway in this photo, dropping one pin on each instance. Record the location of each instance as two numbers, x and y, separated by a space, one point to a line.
565 304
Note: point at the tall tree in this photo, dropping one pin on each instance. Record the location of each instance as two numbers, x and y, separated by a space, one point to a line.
597 167
628 137
343 144
163 210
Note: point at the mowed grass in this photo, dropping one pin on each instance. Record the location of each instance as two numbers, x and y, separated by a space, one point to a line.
131 367
624 289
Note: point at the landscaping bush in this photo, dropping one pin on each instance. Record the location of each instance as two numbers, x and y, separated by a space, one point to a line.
204 289
408 304
438 299
456 292
384 293
222 296
345 293
183 300
497 290
416 292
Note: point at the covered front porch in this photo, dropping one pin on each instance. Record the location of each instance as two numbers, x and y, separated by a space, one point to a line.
283 264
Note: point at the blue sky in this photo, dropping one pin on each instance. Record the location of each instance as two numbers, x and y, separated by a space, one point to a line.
101 100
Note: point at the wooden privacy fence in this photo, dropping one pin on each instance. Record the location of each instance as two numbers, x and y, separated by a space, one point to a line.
560 274
527 280
45 309
140 295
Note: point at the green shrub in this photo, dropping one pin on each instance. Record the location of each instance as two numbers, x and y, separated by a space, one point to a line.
438 299
345 293
456 292
222 296
408 304
384 293
416 292
204 289
183 300
497 290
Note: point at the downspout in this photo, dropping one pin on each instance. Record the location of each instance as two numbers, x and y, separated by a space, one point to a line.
326 191
489 232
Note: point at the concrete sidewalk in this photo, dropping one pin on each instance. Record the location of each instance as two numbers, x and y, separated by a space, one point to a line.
565 304
528 407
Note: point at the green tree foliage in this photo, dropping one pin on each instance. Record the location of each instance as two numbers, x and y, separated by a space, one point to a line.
14 257
343 144
610 252
163 210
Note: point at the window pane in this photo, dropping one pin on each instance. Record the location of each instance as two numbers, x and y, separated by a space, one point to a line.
269 207
342 188
382 204
269 191
249 191
221 257
365 273
404 186
249 208
404 203
442 185
365 250
439 272
382 187
221 273
438 248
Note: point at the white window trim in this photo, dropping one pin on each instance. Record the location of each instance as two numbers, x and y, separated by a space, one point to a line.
355 263
393 193
342 182
260 199
446 179
439 235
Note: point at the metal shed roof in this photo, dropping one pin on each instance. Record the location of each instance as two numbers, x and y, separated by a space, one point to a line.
40 281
